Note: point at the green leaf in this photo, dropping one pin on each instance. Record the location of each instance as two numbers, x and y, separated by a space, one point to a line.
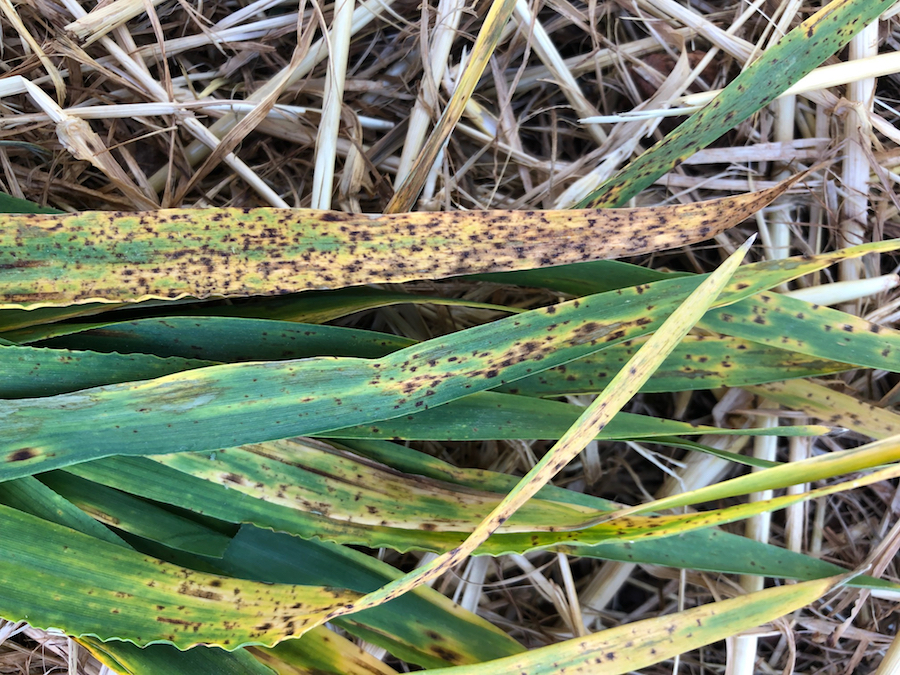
10 204
779 67
136 516
699 362
493 416
35 371
57 577
313 307
31 496
222 339
693 550
580 279
210 408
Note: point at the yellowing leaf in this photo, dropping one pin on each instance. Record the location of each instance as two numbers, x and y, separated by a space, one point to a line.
55 577
48 260
637 645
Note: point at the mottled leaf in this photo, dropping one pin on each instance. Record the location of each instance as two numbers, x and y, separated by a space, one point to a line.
57 577
699 362
211 408
833 407
640 644
83 257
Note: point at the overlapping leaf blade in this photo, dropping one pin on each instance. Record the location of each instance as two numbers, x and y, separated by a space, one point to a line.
226 406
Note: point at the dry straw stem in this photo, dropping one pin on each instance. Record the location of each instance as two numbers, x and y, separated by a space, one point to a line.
104 18
856 167
154 88
363 15
56 77
435 53
623 386
80 140
491 30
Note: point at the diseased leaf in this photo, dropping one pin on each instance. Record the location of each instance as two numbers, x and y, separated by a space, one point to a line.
789 323
211 408
626 648
319 479
321 651
833 407
111 256
60 578
699 362
710 550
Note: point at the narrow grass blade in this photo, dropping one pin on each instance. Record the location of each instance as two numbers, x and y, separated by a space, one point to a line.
637 645
833 407
833 464
488 37
780 66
